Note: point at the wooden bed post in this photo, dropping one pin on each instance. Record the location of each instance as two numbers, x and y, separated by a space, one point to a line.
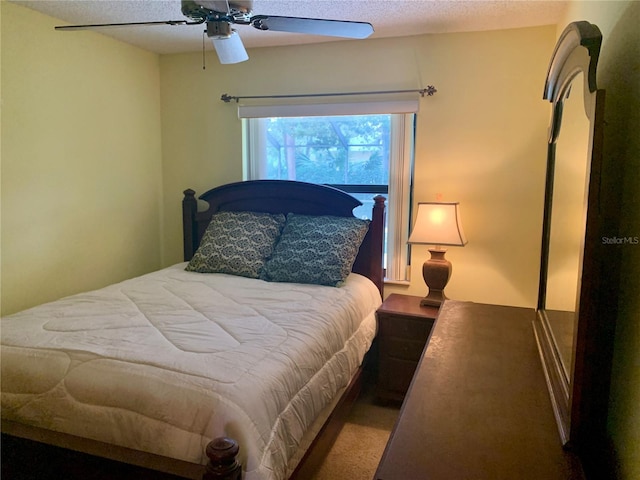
369 259
377 247
222 463
189 210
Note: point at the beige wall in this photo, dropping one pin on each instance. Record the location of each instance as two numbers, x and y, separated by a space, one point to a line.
81 163
480 139
619 76
0 161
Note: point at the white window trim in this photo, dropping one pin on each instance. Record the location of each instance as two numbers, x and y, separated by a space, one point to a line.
255 141
399 206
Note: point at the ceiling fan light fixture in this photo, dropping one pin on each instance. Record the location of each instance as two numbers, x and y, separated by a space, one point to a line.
230 49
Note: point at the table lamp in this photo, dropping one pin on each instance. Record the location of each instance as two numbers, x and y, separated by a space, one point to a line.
437 223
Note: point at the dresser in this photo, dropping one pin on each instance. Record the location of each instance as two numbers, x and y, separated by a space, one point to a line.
403 329
478 407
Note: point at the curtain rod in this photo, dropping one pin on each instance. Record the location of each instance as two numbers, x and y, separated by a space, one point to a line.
429 91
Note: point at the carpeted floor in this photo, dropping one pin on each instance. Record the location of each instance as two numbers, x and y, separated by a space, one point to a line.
358 449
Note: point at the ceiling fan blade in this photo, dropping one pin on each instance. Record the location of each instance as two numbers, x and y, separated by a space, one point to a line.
313 26
129 24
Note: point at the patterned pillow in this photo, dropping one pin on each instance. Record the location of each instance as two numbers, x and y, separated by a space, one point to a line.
316 249
237 243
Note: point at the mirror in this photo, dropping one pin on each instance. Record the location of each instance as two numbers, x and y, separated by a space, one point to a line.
573 325
567 226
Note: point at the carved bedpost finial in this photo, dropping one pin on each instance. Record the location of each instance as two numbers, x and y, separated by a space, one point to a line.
222 465
189 200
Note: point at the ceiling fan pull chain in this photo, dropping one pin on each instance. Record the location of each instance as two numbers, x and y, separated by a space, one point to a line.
204 66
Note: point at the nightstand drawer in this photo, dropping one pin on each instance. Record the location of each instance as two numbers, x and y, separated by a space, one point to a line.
400 348
405 327
397 375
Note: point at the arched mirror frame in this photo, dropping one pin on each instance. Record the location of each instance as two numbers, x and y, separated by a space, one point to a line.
580 399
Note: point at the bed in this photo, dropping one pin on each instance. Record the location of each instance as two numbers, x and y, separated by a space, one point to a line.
237 363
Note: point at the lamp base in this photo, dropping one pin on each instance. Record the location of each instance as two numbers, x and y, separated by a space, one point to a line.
433 299
436 273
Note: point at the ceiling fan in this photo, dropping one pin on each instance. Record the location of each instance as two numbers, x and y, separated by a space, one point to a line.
219 15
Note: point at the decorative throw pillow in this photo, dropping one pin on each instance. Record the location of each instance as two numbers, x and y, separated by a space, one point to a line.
316 249
237 243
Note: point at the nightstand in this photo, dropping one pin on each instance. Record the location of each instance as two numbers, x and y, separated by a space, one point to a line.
403 330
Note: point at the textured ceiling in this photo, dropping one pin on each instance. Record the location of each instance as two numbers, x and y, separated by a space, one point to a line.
390 18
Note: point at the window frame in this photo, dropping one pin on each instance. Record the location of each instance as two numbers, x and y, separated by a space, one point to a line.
399 189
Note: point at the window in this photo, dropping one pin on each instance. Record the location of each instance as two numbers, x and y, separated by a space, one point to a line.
363 154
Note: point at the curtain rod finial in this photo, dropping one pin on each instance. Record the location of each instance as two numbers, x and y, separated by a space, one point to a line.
430 90
227 98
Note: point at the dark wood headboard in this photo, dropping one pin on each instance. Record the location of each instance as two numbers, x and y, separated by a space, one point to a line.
286 196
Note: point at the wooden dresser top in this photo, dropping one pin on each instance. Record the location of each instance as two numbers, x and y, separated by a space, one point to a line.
478 407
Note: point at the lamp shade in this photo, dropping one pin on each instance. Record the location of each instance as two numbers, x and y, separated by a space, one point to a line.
438 224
